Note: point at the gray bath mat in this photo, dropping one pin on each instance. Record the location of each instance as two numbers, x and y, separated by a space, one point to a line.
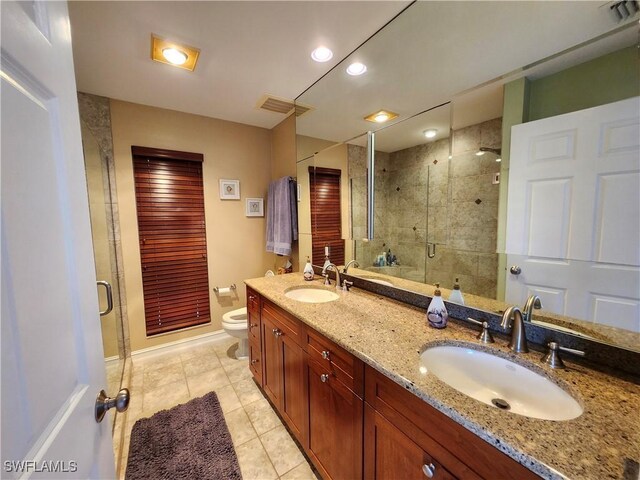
190 441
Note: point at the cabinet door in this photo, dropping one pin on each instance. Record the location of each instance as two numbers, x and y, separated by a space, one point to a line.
272 368
335 424
390 454
293 386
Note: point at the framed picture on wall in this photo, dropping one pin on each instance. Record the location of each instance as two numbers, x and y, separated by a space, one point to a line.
229 189
255 207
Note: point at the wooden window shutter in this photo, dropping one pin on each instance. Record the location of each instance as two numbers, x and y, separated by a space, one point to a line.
173 244
326 219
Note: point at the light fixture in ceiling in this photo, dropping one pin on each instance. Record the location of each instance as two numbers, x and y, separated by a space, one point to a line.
430 133
174 56
171 53
322 54
479 153
356 69
381 116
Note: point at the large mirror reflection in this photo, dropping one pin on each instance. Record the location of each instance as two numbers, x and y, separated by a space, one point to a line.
468 205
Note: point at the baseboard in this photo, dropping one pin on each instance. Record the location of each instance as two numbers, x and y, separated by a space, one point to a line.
185 342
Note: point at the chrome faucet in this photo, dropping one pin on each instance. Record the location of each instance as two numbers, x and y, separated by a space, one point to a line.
352 262
518 342
532 302
328 266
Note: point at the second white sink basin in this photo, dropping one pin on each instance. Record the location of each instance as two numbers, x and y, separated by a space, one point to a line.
311 295
500 383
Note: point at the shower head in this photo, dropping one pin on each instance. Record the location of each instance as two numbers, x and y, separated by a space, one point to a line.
482 150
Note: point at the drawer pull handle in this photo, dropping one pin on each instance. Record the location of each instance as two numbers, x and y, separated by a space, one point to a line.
429 470
324 378
325 354
277 332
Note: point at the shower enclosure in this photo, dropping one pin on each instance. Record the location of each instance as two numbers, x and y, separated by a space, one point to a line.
98 157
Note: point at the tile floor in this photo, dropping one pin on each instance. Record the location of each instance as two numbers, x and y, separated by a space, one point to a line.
264 448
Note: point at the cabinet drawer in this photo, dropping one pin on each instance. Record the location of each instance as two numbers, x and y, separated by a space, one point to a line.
253 301
290 325
343 365
253 326
255 361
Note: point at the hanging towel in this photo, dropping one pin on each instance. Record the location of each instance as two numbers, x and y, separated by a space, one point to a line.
282 217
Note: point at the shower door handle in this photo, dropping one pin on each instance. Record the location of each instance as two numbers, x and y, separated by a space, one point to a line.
109 297
431 250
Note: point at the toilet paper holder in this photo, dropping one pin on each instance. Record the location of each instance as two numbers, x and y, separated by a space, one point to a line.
225 289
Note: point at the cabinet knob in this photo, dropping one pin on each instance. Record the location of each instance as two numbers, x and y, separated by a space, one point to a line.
324 378
251 297
325 354
253 325
253 362
429 470
277 332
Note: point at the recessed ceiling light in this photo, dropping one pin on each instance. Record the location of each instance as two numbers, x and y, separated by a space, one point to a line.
174 54
480 153
432 132
381 116
356 68
498 159
322 54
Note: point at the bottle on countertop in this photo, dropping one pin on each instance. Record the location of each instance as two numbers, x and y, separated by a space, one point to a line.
307 273
437 313
456 294
389 257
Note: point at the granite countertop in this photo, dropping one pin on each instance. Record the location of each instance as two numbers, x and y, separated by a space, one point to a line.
604 442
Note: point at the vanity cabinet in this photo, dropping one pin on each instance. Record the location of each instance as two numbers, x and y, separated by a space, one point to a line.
354 422
283 366
335 408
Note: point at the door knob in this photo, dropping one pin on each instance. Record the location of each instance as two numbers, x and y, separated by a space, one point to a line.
515 269
104 403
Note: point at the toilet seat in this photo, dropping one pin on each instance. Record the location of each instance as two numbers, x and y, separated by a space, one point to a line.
235 317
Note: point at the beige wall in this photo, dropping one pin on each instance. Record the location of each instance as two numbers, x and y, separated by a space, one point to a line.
236 243
283 164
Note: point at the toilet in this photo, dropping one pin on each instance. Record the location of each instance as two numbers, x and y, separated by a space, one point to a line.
235 324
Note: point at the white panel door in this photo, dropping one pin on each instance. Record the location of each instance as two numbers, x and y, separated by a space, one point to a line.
52 358
573 222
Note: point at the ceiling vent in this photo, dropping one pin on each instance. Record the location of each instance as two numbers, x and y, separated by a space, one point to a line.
281 105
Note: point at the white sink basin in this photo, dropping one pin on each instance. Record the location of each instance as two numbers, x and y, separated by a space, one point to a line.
311 295
500 383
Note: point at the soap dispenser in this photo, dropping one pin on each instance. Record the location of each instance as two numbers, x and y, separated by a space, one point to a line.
437 313
456 294
307 273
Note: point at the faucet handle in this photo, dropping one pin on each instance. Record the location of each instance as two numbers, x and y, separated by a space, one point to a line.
552 357
326 279
485 335
346 285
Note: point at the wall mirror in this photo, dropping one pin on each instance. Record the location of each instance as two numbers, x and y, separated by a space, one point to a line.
420 61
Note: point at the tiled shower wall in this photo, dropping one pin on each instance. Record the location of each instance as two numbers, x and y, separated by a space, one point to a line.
422 195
